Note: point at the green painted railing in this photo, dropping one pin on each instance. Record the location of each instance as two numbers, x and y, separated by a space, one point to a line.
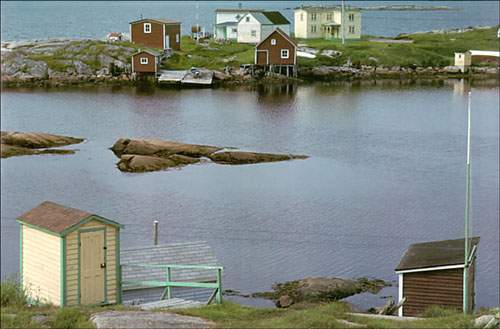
168 283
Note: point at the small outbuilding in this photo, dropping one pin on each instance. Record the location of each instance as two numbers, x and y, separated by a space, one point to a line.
470 57
69 257
432 274
277 51
146 62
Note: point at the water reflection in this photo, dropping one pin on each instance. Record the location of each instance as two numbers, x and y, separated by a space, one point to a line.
386 170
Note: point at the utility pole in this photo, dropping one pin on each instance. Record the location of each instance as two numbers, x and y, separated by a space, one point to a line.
197 21
155 232
342 23
467 213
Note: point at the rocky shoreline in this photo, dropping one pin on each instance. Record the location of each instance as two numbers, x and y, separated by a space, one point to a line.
317 290
62 62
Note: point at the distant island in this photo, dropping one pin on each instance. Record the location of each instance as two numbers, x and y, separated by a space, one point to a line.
409 8
401 8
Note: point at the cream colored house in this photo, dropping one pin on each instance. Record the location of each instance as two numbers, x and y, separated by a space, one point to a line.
327 22
69 257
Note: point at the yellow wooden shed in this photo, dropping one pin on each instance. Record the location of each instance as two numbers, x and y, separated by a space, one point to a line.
69 256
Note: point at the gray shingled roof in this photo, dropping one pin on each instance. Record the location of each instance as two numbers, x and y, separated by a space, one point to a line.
157 20
435 253
186 253
269 18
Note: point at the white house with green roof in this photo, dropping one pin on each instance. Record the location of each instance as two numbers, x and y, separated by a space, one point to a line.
226 22
254 27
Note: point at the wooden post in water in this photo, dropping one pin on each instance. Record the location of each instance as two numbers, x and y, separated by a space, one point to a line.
155 232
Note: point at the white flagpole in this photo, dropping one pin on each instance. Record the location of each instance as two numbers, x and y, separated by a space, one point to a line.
467 213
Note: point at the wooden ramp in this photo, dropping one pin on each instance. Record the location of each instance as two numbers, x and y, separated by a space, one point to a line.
172 275
170 303
171 76
198 77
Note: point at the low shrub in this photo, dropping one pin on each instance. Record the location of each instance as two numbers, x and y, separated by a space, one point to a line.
70 318
11 294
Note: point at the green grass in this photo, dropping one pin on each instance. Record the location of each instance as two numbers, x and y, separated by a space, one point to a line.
231 315
70 318
11 294
214 56
427 49
15 313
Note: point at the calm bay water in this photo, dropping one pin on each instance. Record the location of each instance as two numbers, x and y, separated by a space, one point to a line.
386 170
21 20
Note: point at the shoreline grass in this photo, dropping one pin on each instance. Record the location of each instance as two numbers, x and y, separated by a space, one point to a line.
427 50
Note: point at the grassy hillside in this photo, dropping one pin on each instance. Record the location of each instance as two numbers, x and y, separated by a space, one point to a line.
428 49
213 55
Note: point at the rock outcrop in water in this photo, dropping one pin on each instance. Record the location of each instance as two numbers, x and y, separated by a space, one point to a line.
153 154
19 143
320 290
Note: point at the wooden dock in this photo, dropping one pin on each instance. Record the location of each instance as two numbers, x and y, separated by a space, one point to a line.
171 76
198 77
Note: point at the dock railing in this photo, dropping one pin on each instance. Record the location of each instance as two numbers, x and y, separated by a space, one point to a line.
169 282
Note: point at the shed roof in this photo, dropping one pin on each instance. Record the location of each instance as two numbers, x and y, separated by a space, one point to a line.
157 20
56 218
484 53
280 31
149 51
235 10
434 254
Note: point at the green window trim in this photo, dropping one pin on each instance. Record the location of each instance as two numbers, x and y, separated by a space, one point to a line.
118 268
21 255
63 272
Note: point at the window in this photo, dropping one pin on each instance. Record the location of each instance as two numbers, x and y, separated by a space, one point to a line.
313 17
351 17
238 17
253 33
144 60
247 19
177 38
328 17
147 27
351 29
234 30
301 17
273 42
284 53
313 28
